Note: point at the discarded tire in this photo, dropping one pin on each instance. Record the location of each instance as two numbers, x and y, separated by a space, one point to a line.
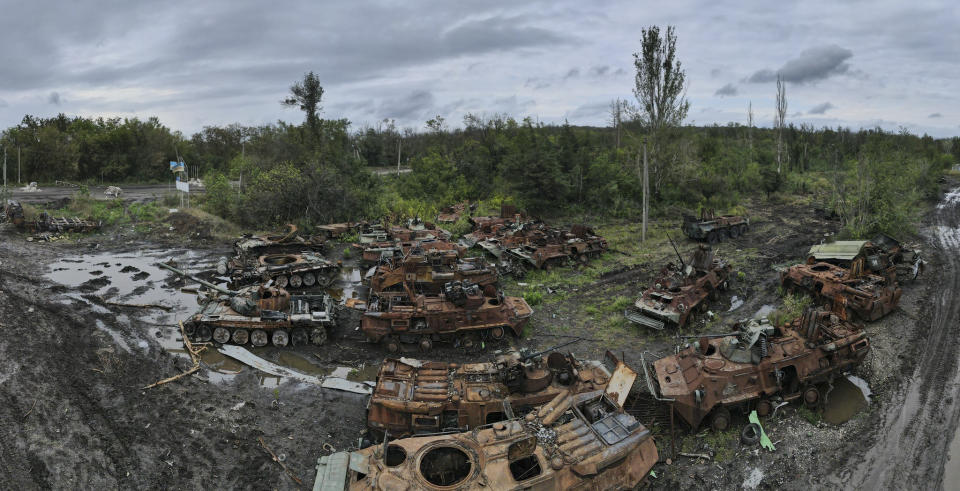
750 434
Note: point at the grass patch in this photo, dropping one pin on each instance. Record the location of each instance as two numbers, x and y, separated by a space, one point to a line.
792 308
723 444
812 417
533 297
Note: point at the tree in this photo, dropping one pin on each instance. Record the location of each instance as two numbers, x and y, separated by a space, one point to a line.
780 118
659 88
306 95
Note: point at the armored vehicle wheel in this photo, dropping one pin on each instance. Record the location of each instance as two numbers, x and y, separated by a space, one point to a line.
811 397
280 338
203 333
721 419
222 266
190 329
296 281
299 337
241 336
318 336
221 335
392 345
764 408
750 434
309 279
743 228
734 232
497 332
426 344
712 237
259 338
282 281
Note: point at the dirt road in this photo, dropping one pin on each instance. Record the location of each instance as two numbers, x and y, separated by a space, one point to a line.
910 446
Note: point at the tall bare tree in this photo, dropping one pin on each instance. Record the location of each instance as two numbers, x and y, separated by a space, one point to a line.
750 124
781 116
659 86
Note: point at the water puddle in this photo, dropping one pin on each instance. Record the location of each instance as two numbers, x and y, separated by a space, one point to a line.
735 303
849 396
348 285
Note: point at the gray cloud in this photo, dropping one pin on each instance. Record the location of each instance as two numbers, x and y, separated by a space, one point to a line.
417 105
600 71
726 90
572 73
813 64
536 84
821 108
593 110
54 98
935 115
619 72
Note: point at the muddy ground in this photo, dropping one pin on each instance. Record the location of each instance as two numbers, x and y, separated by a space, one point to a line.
75 412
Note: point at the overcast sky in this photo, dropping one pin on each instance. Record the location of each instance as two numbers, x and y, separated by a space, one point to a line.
197 63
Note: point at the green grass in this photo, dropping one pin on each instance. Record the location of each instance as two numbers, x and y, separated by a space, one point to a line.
533 297
812 417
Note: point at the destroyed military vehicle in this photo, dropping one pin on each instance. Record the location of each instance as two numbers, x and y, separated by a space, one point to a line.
13 213
292 271
463 313
879 256
868 296
429 271
680 291
381 251
416 397
756 366
248 249
258 316
576 441
714 228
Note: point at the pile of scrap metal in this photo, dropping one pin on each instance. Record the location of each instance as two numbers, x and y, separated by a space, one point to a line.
451 214
415 397
464 313
45 223
757 367
337 230
258 316
714 228
680 291
576 441
13 213
846 291
487 227
380 252
879 256
287 261
428 270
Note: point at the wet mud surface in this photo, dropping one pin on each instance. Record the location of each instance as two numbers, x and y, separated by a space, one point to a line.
74 413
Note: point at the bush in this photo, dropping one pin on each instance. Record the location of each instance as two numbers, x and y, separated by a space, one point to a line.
533 297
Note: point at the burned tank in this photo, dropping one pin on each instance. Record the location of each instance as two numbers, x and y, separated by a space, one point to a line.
756 366
429 271
258 316
714 228
576 441
680 291
291 271
463 313
416 397
868 296
382 251
248 249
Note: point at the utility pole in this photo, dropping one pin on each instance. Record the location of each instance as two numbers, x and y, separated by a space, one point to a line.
399 145
646 191
4 167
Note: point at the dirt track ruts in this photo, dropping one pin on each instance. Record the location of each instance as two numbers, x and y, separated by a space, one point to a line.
910 445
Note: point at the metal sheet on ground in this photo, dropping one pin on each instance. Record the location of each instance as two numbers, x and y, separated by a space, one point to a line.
243 355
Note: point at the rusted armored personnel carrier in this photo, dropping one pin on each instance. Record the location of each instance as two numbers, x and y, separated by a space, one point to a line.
416 397
714 228
337 230
258 316
582 441
680 291
462 313
292 271
381 251
756 366
867 296
429 271
451 214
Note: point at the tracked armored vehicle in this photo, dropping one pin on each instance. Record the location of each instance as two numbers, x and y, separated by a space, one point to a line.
291 271
867 296
382 251
756 366
429 271
416 397
714 228
463 313
582 441
680 291
258 316
13 213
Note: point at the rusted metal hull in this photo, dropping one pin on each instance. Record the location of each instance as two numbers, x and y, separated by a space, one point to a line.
867 296
713 228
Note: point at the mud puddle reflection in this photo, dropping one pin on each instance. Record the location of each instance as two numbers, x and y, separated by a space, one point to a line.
849 396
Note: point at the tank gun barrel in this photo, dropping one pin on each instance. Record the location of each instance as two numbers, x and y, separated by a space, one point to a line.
198 280
719 335
539 353
682 265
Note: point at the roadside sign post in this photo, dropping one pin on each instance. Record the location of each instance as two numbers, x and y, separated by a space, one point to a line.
183 187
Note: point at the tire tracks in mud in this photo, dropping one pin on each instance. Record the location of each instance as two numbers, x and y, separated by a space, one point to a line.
910 443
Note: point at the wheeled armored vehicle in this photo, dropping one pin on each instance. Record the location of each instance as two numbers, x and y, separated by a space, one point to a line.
868 296
714 228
